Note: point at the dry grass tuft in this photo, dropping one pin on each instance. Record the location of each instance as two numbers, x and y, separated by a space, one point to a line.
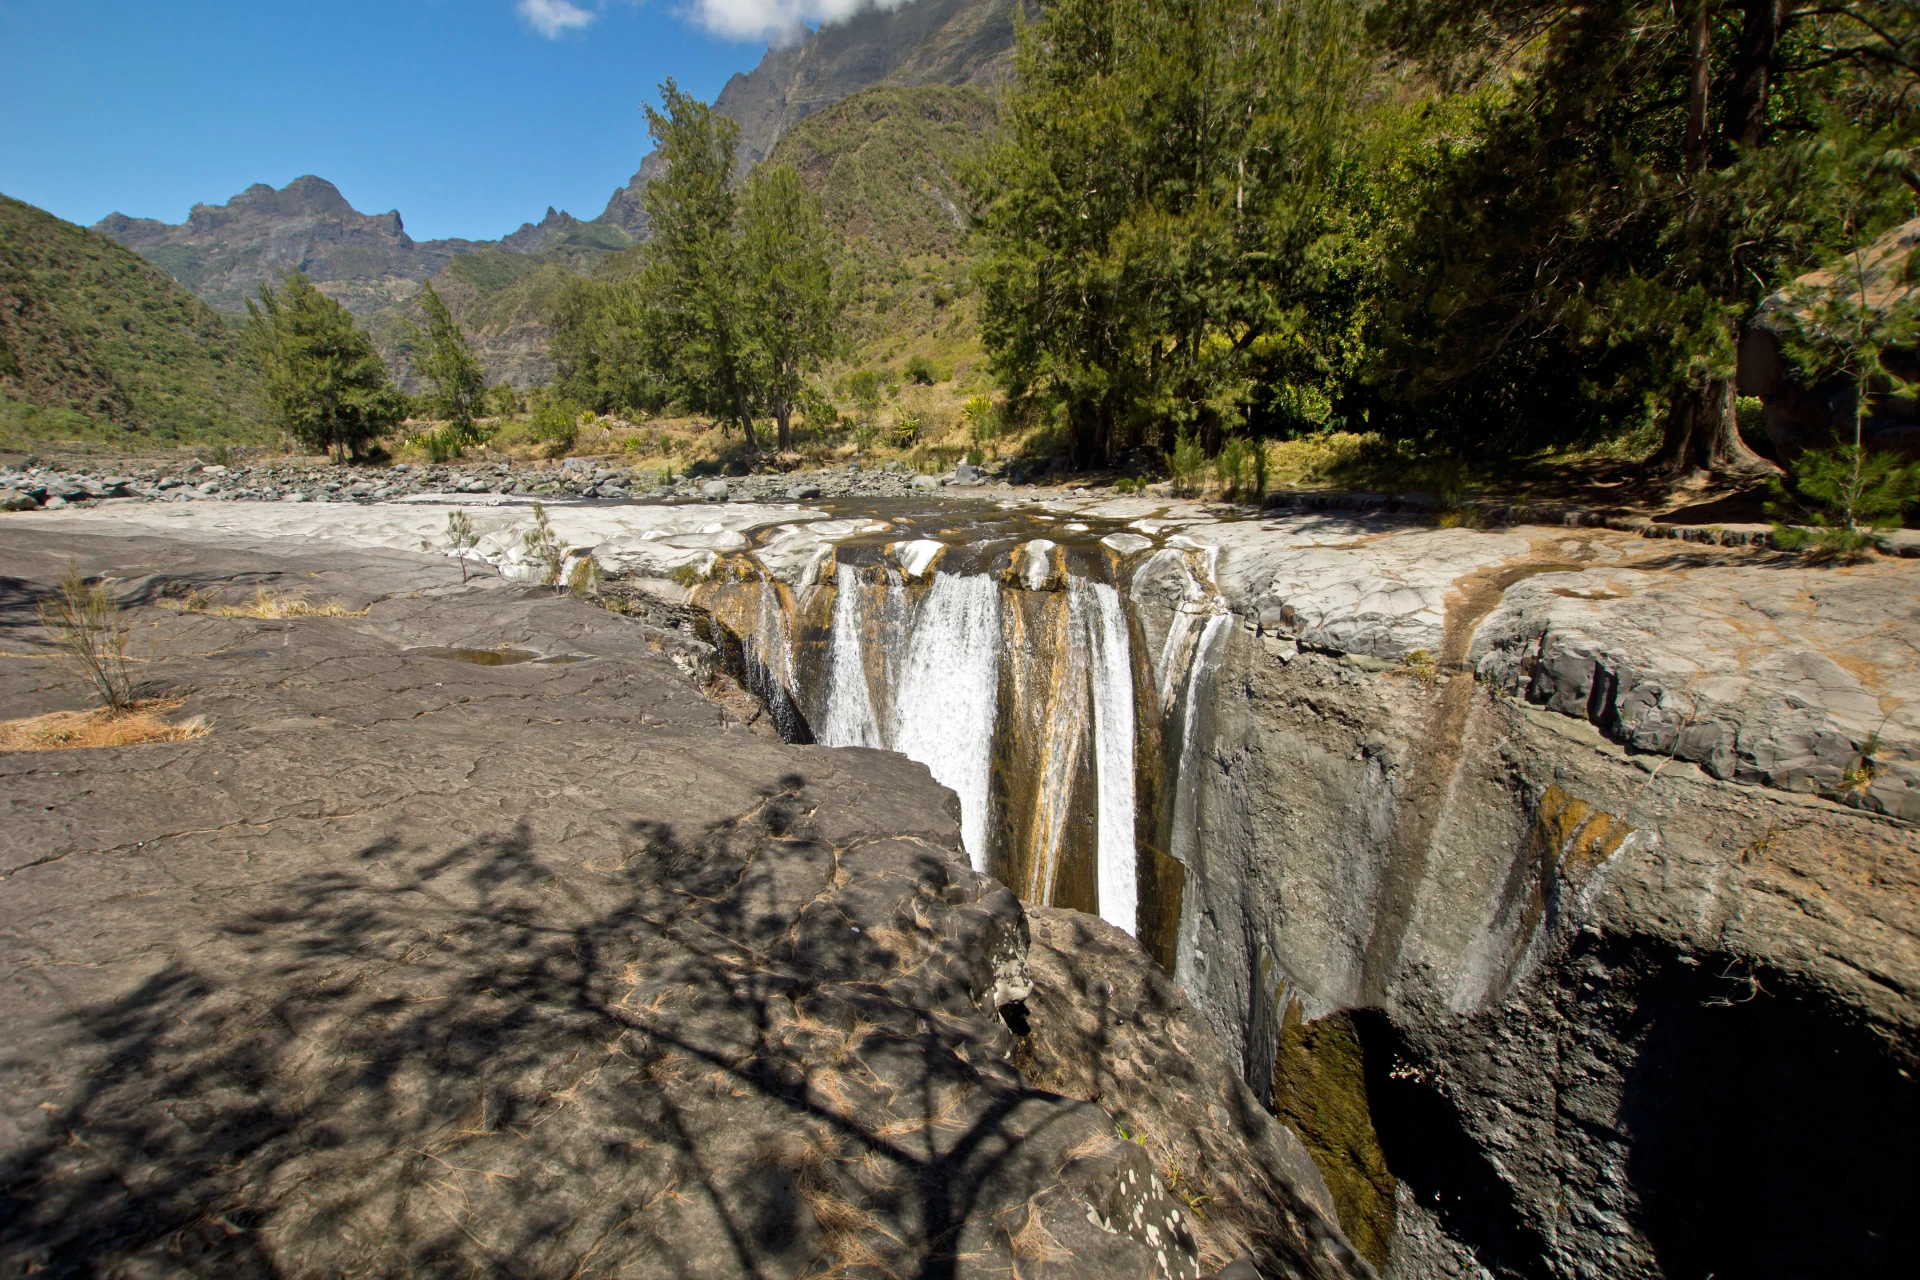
266 605
77 730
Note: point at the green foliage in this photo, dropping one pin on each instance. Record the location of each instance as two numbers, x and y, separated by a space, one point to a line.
920 372
96 342
791 309
444 359
1152 219
864 389
326 386
731 305
1850 496
908 427
1234 468
1587 250
556 422
1187 461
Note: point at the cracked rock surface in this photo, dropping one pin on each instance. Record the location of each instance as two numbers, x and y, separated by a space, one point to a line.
417 966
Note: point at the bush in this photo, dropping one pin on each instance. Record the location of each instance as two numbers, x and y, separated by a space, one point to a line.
1852 498
556 423
1234 467
864 388
543 548
920 372
1187 462
907 428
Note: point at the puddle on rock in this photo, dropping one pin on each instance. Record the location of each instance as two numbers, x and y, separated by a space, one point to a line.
502 657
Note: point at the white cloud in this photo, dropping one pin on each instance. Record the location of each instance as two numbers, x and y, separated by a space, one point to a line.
776 19
554 18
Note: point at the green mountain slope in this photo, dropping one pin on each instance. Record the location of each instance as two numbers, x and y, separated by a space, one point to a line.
96 340
885 163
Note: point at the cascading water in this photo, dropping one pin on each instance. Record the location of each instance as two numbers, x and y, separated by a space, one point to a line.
1017 672
943 712
1113 733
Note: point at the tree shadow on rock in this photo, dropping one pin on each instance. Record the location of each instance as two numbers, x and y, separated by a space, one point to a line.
741 1051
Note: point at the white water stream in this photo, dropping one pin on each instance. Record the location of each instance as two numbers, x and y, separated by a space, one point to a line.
943 710
1113 730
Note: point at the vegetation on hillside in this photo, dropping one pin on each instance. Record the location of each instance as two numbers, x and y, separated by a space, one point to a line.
97 343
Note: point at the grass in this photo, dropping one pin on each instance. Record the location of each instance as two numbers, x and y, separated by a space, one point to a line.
138 723
267 605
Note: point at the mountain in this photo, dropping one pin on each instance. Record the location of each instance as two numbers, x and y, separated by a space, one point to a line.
497 289
927 42
225 252
93 337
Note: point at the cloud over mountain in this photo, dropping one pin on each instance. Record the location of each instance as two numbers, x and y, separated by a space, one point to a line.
774 19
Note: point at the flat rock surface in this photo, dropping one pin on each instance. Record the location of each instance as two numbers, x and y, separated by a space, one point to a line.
415 965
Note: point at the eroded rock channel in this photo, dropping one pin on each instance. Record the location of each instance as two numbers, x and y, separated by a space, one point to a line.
1532 902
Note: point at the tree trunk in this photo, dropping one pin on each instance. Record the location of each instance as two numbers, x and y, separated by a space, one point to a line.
1703 434
1700 74
784 440
1753 72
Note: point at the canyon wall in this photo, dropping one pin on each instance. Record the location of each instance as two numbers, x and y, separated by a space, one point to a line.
1541 1003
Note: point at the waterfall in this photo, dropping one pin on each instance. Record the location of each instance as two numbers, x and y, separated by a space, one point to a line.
1024 691
1185 830
849 720
1113 729
944 707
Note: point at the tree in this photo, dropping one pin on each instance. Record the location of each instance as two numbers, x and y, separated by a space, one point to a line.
1150 220
459 383
1641 175
323 381
792 311
691 280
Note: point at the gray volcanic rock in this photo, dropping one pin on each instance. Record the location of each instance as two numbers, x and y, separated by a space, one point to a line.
1108 1026
226 252
428 959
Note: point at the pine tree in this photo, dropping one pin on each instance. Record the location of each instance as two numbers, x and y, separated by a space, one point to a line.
692 281
322 380
459 383
792 310
1151 219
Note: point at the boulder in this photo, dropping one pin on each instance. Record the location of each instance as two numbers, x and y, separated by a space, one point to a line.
714 491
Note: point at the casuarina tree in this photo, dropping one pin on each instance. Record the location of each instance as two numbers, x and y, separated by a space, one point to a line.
322 380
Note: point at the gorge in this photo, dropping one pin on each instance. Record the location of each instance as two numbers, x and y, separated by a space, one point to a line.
1555 885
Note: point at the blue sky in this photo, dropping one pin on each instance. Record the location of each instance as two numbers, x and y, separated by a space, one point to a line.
469 116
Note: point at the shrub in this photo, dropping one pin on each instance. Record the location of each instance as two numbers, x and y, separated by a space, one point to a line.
461 538
864 388
1850 497
920 372
1233 467
556 423
542 546
907 428
92 636
1187 462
